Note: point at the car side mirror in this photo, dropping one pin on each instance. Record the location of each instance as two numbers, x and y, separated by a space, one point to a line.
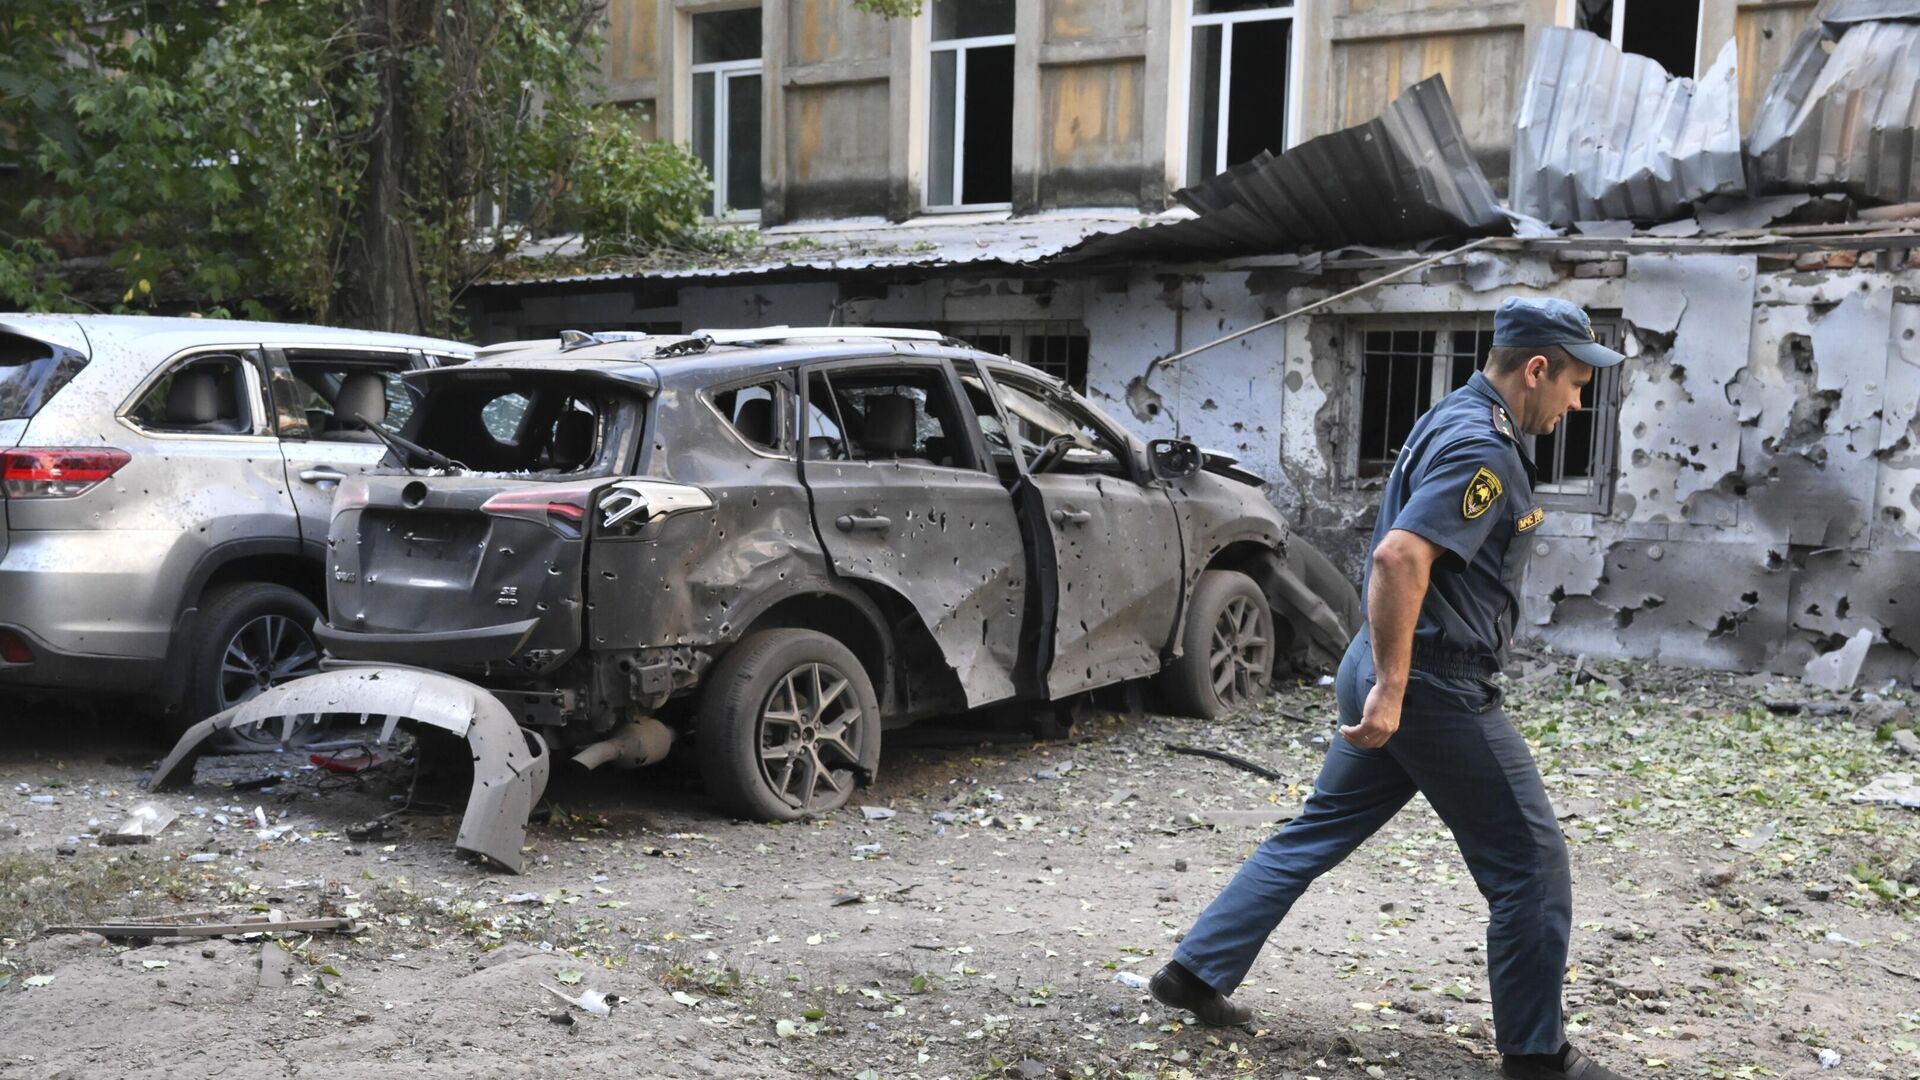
1174 459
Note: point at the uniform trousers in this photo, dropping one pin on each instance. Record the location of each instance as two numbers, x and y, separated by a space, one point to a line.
1456 747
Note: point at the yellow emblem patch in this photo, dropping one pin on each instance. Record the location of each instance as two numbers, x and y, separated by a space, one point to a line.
1533 518
1482 492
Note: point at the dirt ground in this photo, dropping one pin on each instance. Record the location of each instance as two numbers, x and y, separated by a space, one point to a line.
1736 915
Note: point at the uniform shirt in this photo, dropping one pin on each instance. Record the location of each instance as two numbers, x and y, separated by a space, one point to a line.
1463 482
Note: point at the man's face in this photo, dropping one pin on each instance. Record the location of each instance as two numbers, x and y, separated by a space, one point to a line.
1554 396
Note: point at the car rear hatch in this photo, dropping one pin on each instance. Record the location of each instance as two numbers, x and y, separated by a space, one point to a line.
457 572
471 569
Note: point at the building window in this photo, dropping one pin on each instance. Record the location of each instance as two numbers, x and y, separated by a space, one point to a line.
1667 32
1406 368
726 107
1055 346
1239 60
970 128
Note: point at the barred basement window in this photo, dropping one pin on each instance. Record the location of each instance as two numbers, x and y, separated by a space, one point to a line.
1406 367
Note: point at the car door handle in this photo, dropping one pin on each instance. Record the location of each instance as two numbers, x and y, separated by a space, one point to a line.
874 522
322 476
1072 517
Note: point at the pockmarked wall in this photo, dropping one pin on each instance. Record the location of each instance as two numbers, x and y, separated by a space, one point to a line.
1766 502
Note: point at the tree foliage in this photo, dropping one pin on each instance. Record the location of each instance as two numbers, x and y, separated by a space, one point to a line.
322 158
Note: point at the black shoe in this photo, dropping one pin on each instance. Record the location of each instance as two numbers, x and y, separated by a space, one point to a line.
1177 988
1571 1065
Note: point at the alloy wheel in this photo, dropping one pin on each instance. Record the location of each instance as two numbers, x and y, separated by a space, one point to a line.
809 727
264 652
1240 658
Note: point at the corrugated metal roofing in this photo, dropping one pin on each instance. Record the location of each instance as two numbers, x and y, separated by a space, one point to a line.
1404 176
1841 13
1603 134
1844 120
926 243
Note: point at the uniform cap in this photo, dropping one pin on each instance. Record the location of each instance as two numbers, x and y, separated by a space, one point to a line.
1524 322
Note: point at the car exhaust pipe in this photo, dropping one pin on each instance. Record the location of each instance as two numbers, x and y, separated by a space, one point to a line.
638 742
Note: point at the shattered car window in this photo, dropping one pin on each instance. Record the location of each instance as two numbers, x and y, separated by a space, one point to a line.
318 385
1039 417
520 422
753 412
895 415
502 417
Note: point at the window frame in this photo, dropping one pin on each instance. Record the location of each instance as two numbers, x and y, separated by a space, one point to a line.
1598 494
251 361
723 72
980 461
784 406
1617 31
391 360
1063 397
960 47
1226 20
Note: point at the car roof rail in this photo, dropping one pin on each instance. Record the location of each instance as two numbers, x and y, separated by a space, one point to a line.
757 335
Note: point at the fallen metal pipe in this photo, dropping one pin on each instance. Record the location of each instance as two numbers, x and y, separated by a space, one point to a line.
636 743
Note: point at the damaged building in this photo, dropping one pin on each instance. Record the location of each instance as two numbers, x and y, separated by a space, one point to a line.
1095 187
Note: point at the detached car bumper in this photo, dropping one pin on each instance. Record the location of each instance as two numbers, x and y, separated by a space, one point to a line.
510 763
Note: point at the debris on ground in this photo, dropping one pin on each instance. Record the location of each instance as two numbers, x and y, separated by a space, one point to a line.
1897 789
1838 670
170 926
1234 760
142 823
592 1001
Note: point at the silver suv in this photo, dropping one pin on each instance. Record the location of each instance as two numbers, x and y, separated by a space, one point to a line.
165 493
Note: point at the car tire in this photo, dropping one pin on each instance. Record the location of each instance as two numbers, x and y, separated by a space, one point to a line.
264 626
1227 649
764 751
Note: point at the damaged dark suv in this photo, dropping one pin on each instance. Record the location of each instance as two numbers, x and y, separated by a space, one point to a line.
781 542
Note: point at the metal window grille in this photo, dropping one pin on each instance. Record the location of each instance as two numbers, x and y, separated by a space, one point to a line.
1405 368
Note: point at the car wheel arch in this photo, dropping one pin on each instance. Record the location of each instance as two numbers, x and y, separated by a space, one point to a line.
1311 627
847 615
267 559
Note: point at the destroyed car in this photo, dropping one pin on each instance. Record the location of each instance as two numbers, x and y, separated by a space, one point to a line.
166 486
781 542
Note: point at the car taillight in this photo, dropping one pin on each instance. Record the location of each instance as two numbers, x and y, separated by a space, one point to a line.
561 508
59 473
14 648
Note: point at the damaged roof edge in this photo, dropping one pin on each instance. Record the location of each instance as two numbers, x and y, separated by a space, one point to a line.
1405 176
1606 135
1838 115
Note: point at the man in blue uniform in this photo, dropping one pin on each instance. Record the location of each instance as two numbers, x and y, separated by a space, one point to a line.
1419 711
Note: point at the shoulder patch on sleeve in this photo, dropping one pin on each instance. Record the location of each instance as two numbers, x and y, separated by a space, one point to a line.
1533 519
1482 492
1503 423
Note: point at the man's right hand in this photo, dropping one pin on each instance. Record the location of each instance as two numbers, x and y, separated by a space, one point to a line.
1378 721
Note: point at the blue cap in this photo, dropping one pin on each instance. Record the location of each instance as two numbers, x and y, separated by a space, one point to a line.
1526 323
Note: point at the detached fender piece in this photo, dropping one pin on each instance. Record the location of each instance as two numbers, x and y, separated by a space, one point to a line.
510 763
